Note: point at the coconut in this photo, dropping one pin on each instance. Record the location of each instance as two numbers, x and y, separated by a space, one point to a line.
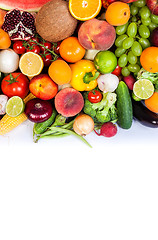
54 22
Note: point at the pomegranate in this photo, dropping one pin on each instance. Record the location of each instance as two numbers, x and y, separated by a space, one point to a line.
19 25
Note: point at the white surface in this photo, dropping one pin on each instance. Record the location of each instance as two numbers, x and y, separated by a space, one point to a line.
59 189
137 134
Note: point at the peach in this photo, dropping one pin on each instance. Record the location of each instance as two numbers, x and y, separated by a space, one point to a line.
96 34
69 102
2 15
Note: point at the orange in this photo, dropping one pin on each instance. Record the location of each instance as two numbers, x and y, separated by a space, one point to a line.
60 72
84 9
152 102
149 59
5 41
117 13
31 64
71 50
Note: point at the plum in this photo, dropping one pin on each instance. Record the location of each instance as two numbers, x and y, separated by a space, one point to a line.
69 102
154 37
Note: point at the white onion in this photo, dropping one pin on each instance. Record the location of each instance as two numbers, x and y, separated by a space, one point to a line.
83 124
90 54
65 85
3 102
9 61
108 82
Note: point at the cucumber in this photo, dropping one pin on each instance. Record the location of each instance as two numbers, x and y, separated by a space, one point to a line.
40 128
124 106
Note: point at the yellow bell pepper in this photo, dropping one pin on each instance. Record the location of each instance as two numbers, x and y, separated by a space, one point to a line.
84 75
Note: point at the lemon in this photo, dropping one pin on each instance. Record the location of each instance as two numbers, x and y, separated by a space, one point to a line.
31 64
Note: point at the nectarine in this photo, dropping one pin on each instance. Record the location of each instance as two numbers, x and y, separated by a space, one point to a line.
69 102
96 34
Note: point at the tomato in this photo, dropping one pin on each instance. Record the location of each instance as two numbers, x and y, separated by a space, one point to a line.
117 71
15 84
47 59
46 45
94 96
43 87
18 47
57 47
34 48
33 40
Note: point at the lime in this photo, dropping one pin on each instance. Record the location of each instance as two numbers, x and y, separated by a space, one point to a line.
135 97
15 106
143 88
105 62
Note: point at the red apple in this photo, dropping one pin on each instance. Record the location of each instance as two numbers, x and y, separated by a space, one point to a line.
153 6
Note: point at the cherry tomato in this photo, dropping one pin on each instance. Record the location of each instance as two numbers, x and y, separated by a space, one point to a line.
57 47
34 48
117 71
33 40
18 47
94 96
15 84
47 59
47 45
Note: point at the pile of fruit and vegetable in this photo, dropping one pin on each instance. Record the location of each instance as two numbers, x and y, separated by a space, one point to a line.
77 66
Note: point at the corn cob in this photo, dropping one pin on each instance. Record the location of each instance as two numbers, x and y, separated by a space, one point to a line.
8 123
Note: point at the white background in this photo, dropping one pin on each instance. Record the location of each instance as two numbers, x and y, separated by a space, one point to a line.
61 189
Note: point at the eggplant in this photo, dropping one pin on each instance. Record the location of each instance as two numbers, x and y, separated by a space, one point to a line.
144 115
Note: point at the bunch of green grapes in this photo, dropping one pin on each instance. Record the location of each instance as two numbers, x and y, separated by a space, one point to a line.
134 36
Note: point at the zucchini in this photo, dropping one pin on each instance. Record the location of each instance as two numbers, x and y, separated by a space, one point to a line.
124 106
40 128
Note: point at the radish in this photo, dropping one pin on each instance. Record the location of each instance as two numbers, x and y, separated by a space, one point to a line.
129 80
108 129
